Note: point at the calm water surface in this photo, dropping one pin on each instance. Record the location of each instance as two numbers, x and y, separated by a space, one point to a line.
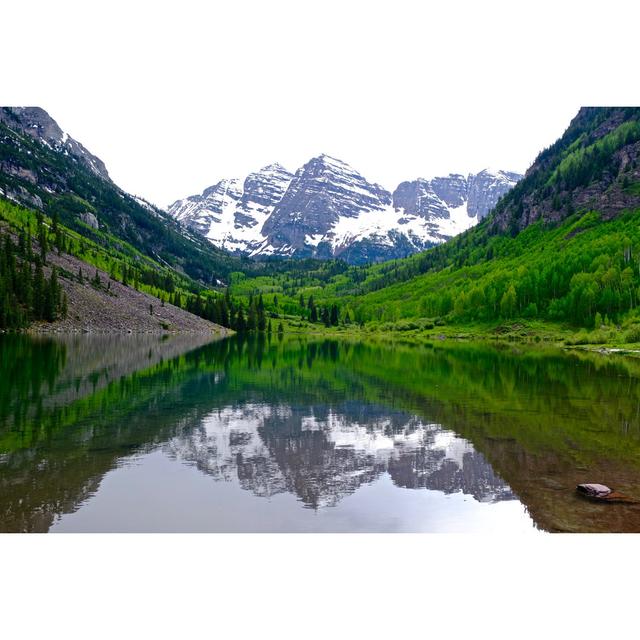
141 433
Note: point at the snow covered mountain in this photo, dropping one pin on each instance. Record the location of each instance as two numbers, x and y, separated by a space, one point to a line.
343 450
232 213
327 209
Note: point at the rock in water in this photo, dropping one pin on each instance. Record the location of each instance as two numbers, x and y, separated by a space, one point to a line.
601 492
594 490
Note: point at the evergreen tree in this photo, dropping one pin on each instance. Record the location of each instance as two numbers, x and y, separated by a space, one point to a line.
261 318
252 320
4 303
38 292
26 286
42 236
51 297
240 321
44 245
29 246
22 244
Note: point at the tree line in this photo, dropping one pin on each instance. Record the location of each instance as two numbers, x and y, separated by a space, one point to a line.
26 294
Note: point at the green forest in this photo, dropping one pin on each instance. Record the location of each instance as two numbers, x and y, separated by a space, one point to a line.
584 272
571 266
25 293
31 288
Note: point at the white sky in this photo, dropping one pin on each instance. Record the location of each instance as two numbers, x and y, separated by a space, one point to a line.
174 96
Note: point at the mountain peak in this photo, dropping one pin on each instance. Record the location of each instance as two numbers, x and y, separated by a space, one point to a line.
38 123
329 161
329 158
499 173
328 209
273 166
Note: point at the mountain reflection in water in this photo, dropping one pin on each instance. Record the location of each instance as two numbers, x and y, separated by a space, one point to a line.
141 433
323 454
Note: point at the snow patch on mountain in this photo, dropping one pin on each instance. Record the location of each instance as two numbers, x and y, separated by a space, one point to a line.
38 124
232 212
327 209
379 227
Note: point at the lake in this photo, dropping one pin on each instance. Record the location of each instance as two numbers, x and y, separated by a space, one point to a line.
303 434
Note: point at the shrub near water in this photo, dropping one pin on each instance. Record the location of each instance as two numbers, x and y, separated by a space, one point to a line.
632 335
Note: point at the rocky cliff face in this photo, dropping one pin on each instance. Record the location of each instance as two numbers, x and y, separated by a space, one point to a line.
327 209
37 123
595 165
439 197
486 188
323 193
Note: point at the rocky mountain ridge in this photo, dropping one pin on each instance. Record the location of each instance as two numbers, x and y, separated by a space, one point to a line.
38 124
327 209
594 165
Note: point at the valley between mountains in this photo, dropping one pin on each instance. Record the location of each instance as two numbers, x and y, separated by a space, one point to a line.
554 254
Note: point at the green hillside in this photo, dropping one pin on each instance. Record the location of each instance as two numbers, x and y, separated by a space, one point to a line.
29 290
542 255
56 182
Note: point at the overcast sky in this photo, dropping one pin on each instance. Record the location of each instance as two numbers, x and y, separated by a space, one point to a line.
174 96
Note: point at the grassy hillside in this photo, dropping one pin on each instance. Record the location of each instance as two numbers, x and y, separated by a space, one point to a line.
54 274
542 255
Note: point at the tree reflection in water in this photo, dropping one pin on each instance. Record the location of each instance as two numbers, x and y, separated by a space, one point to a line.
319 419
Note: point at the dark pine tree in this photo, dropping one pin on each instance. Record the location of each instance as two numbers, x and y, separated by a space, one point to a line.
241 325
